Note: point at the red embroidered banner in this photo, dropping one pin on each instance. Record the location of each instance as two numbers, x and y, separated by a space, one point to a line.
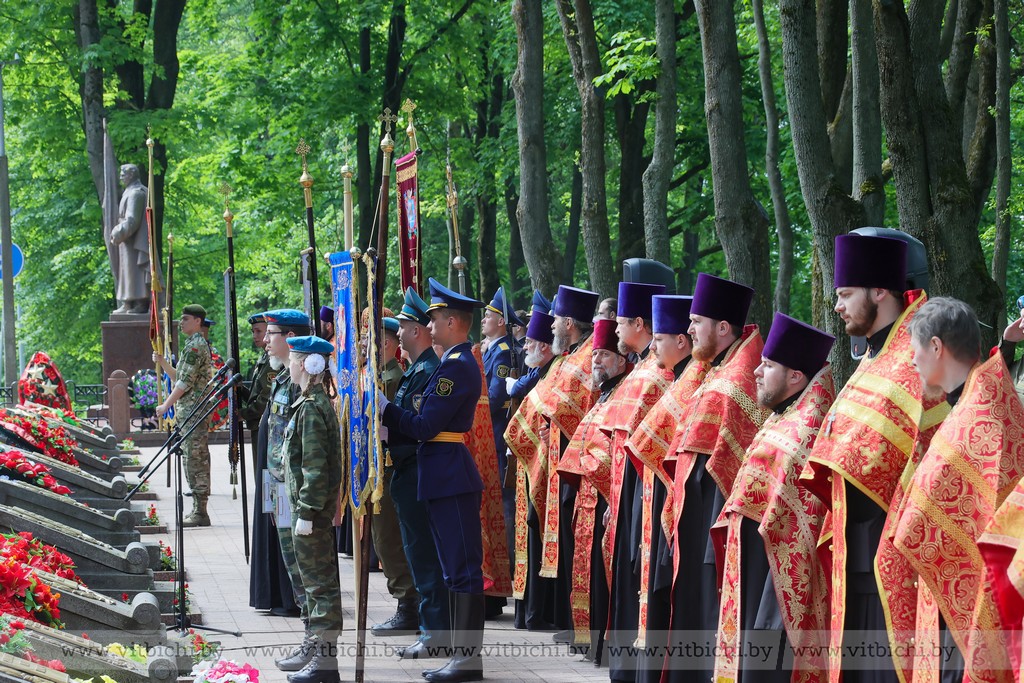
408 221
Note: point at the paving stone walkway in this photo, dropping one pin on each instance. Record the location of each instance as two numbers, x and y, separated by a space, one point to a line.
219 585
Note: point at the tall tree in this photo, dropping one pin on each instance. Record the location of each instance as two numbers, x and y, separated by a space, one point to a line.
1004 160
938 192
580 34
739 219
542 259
658 175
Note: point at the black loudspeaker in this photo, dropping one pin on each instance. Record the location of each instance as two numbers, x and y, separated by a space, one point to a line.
649 271
917 271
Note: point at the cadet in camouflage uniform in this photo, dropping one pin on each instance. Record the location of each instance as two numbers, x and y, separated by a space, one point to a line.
313 472
190 378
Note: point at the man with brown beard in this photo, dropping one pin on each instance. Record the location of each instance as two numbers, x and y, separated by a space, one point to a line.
721 421
875 426
765 540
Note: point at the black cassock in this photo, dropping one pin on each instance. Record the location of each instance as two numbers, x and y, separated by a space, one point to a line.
269 586
623 603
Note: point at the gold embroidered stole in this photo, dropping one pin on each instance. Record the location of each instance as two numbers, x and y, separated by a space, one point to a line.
572 395
722 421
647 448
1002 547
637 394
522 436
869 438
789 520
480 442
586 456
972 463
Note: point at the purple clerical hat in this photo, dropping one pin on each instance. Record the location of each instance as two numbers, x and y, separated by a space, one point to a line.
671 314
539 328
578 304
721 299
797 345
635 299
604 335
869 261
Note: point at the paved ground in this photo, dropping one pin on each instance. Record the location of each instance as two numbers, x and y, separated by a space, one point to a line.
219 583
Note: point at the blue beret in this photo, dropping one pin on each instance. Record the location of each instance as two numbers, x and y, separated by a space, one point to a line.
391 325
414 309
442 297
310 344
257 318
288 317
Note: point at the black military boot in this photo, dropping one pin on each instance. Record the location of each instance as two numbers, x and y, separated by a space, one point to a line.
405 622
322 668
466 663
427 647
300 656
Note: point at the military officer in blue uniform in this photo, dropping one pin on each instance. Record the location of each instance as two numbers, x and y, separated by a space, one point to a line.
450 486
417 539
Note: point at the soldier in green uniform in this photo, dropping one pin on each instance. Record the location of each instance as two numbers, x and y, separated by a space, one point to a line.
312 448
190 378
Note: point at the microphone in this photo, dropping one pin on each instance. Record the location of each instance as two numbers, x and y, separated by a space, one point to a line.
229 364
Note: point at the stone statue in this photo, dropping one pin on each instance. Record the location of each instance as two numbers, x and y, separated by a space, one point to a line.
131 238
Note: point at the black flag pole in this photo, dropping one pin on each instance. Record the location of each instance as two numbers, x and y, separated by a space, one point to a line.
236 450
310 281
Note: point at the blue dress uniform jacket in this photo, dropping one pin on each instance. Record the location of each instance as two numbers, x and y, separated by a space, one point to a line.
448 406
499 360
410 397
525 384
449 482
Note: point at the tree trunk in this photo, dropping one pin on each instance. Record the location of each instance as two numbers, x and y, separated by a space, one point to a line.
1004 162
488 128
933 190
836 87
542 258
631 124
581 41
658 175
961 58
90 90
868 186
831 211
783 228
516 259
572 234
740 221
364 176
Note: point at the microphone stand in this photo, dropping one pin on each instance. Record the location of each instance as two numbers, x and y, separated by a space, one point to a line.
183 622
146 472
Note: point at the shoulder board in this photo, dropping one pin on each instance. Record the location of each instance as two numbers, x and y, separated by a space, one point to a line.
299 400
503 346
453 356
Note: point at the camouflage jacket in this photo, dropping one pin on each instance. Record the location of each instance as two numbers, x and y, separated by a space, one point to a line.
257 392
312 446
194 370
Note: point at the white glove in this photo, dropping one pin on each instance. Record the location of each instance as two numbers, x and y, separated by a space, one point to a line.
303 527
382 402
509 383
383 431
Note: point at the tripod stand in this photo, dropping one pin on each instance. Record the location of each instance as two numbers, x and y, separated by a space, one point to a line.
173 446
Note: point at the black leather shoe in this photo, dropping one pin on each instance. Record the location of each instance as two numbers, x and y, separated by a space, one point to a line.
285 612
562 636
300 657
405 622
423 650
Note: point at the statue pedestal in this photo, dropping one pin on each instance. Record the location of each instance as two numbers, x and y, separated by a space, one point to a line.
126 344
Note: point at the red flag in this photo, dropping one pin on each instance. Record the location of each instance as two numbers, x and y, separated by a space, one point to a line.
409 221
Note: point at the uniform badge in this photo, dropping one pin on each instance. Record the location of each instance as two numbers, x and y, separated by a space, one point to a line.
417 400
191 357
503 371
444 387
272 376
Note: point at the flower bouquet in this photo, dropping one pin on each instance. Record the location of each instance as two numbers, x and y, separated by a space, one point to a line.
219 416
143 393
33 552
13 642
51 440
152 518
15 465
225 670
204 650
23 595
168 562
42 383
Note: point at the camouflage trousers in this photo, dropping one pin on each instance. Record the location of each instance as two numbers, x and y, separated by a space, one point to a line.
285 540
317 560
196 454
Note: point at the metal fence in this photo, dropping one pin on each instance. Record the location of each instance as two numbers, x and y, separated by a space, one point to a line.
82 396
